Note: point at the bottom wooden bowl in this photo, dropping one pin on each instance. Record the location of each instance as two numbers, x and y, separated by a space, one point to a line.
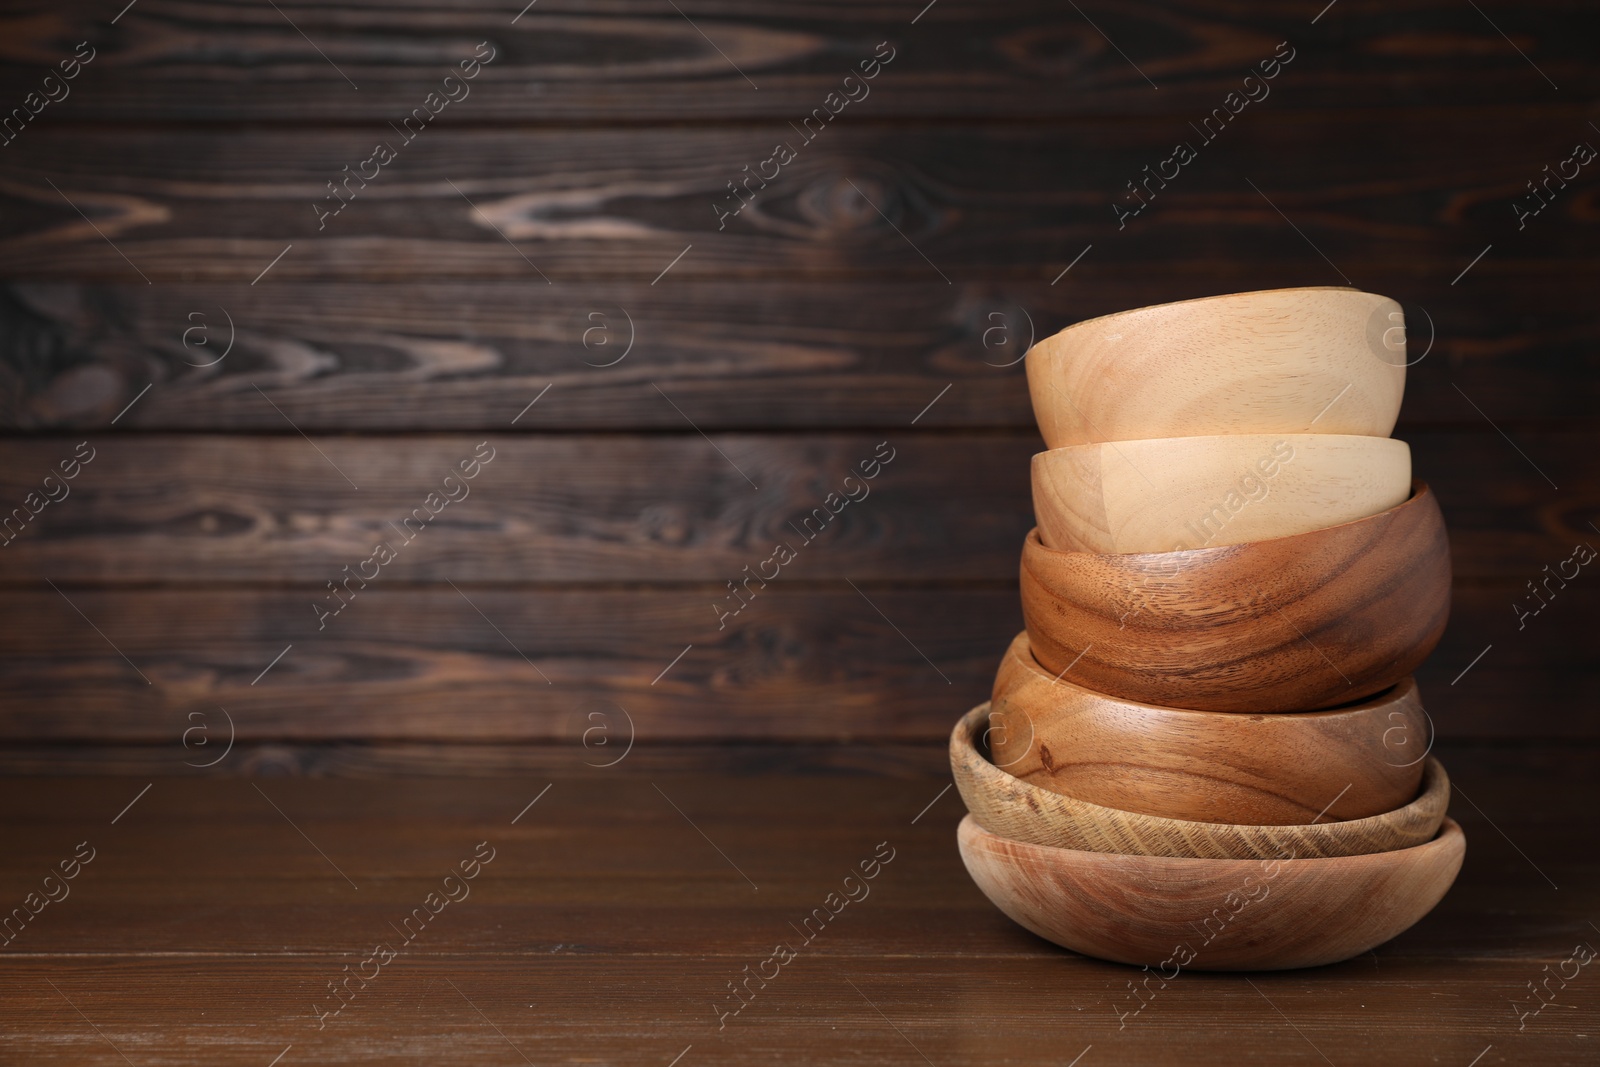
1174 914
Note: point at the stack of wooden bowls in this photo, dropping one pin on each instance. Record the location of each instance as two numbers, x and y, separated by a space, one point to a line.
1205 751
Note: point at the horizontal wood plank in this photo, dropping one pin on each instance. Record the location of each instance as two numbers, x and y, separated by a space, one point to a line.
589 669
820 665
745 355
542 509
566 756
939 204
679 508
571 61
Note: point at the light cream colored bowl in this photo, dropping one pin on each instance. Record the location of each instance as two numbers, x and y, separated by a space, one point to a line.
1178 493
1312 360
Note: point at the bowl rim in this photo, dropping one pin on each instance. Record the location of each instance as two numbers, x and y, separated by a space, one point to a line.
1021 648
1212 297
1445 837
1373 440
1032 543
1435 789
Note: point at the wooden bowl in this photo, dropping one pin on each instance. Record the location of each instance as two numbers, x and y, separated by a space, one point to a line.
1013 808
1206 766
1173 914
1281 361
1289 624
1179 493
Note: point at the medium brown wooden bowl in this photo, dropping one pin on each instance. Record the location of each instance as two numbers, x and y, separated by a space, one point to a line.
1178 493
1173 914
1279 361
1021 811
1290 624
1206 766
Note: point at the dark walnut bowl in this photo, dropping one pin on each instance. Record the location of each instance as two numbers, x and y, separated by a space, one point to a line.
1288 624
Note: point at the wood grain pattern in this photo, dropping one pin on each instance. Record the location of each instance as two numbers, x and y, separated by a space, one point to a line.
974 202
569 756
202 899
191 509
817 315
1207 766
562 509
986 1006
1020 811
819 662
1207 492
533 666
1294 624
779 354
1180 913
629 62
392 836
1279 361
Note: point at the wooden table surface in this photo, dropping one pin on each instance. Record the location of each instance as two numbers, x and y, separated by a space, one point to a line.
619 903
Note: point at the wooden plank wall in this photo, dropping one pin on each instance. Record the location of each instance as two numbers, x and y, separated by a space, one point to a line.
268 388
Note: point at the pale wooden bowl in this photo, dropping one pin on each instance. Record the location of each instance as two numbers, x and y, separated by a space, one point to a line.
1013 808
1290 624
1173 914
1179 493
1206 766
1328 360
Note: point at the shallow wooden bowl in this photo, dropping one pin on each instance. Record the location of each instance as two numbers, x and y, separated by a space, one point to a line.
1290 624
1206 766
1173 914
1281 361
1179 493
1021 811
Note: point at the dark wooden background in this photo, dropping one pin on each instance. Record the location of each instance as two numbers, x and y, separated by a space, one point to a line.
905 257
